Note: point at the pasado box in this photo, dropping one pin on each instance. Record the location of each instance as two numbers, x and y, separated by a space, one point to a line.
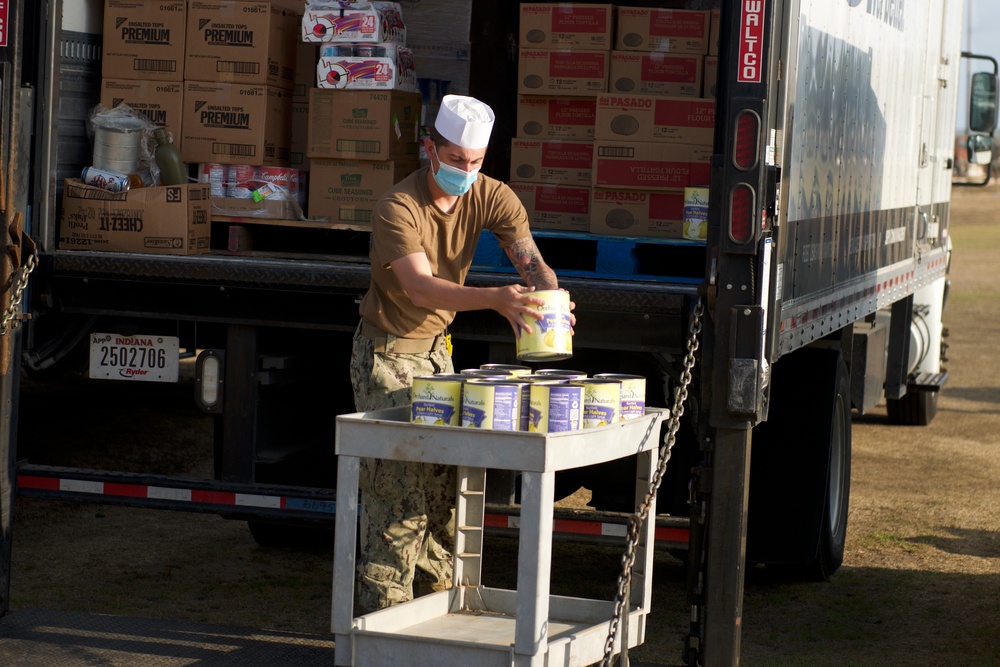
345 191
542 117
637 213
655 74
548 72
711 76
360 124
563 207
643 165
171 220
678 120
144 40
566 25
237 124
162 102
242 42
551 161
666 30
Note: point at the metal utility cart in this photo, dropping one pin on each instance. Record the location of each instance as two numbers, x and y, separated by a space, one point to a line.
471 624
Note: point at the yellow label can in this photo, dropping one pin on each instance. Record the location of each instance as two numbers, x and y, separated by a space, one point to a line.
510 369
555 407
601 401
436 399
492 404
551 337
633 393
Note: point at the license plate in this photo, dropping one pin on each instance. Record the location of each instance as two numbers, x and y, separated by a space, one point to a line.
139 358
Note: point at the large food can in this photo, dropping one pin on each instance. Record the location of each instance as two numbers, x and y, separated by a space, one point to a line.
510 369
242 181
551 337
491 404
484 373
436 399
695 213
214 174
633 394
555 407
602 401
564 373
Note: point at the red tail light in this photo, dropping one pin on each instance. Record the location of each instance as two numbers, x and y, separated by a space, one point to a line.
742 208
747 143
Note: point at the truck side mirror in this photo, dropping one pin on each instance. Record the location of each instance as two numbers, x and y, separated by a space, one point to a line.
983 104
980 147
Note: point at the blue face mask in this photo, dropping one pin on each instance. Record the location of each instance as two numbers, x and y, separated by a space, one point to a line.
454 181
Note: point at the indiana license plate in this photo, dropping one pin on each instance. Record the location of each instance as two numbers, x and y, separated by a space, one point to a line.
140 358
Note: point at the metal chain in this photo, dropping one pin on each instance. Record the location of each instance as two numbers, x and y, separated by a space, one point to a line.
636 521
14 308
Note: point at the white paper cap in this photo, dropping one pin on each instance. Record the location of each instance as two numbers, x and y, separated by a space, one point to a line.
465 121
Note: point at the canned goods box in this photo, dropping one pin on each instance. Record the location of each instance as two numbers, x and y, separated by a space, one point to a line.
675 120
345 191
567 25
170 220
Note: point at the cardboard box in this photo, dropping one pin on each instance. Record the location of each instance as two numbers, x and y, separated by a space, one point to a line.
243 42
547 72
392 70
637 213
297 157
566 25
276 208
563 207
446 62
162 102
361 124
306 58
345 191
711 76
677 120
543 117
171 220
664 30
551 161
144 40
642 165
376 21
237 124
713 32
655 74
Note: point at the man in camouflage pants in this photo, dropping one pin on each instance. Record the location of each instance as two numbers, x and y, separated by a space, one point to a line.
424 234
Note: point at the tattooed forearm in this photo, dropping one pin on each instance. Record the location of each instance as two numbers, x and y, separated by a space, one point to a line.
524 255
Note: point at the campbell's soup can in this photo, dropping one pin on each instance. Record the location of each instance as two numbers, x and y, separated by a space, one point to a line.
491 404
633 393
554 407
214 174
436 399
551 337
241 181
510 369
106 180
602 401
283 177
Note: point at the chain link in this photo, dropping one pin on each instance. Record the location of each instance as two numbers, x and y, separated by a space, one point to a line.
14 309
636 521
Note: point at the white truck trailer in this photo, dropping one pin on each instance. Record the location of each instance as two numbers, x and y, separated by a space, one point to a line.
821 290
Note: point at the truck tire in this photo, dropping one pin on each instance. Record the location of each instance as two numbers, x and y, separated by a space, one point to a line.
915 408
800 471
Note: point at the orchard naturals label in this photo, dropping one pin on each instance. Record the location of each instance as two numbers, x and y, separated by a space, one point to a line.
436 399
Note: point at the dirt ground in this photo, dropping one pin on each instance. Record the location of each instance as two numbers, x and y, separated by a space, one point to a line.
920 584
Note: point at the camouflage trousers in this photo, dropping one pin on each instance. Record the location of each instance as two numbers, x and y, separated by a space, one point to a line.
407 509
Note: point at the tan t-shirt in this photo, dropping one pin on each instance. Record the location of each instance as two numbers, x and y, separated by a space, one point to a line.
406 221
